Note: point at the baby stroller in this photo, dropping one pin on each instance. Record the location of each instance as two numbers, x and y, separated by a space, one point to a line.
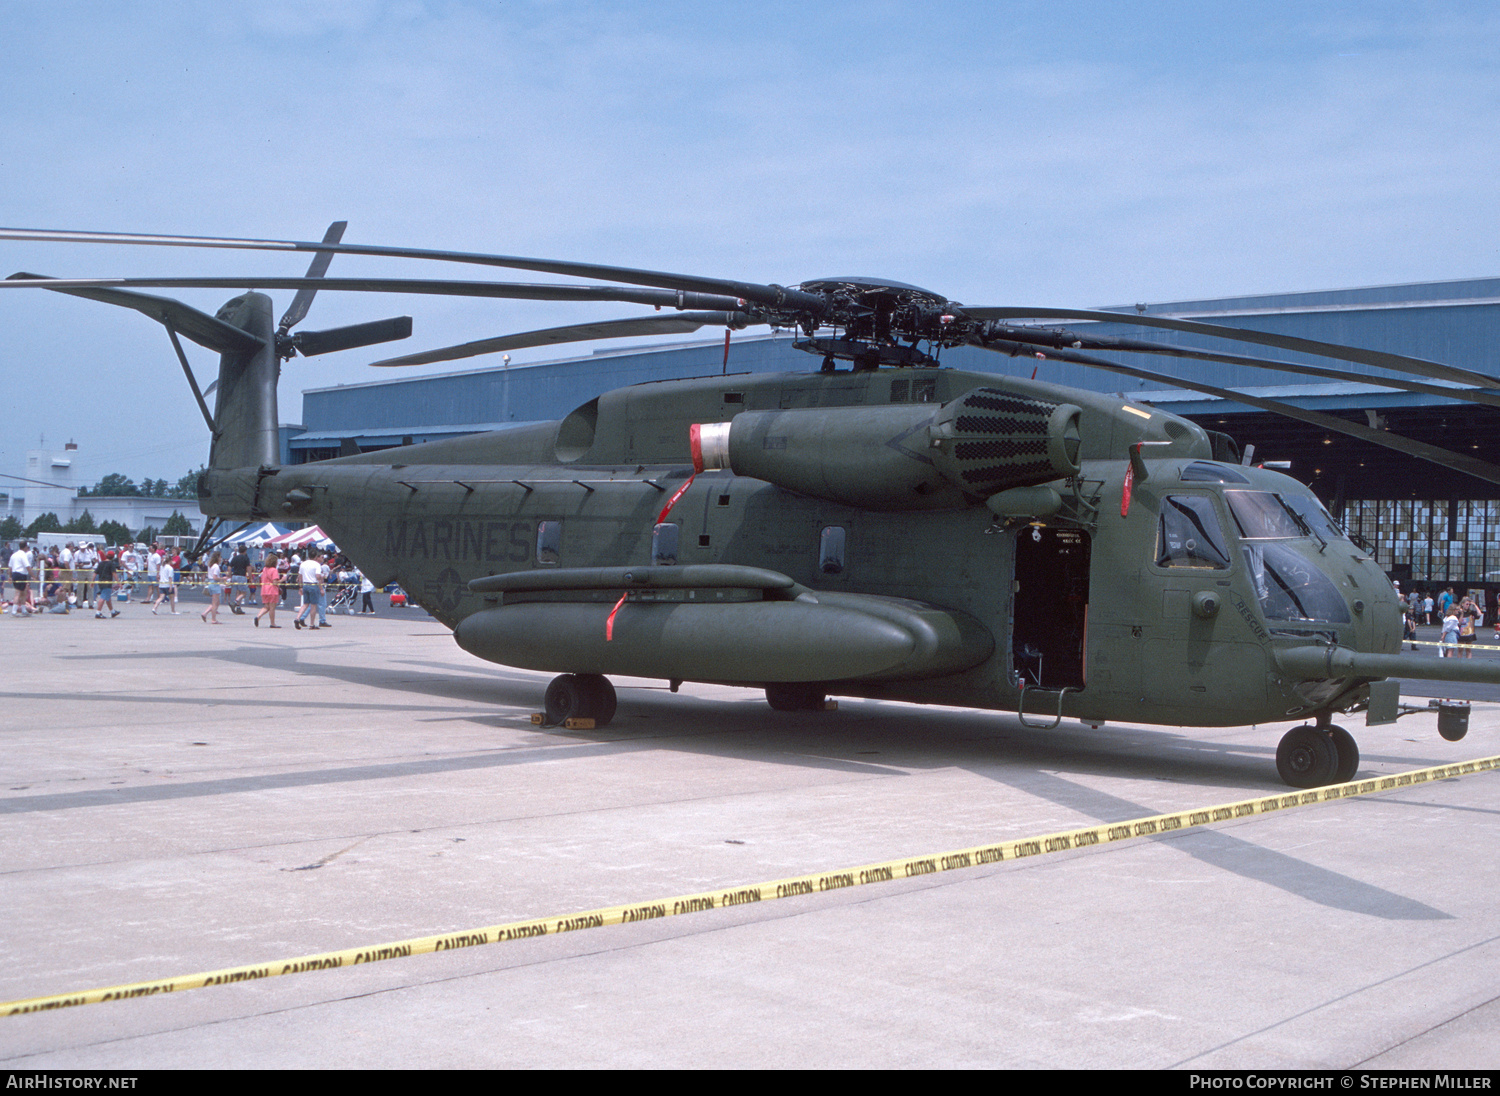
344 597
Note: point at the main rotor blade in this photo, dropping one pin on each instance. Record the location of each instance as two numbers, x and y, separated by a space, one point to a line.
661 298
316 269
1396 362
1457 462
1071 340
774 296
682 323
200 327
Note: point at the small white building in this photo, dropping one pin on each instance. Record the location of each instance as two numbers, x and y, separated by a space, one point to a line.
49 484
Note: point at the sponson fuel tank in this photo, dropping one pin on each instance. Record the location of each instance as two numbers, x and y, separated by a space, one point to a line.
903 457
725 623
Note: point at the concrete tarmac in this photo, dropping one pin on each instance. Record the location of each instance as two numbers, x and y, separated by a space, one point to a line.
179 797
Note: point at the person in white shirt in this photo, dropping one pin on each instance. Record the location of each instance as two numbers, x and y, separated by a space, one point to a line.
20 578
311 574
166 588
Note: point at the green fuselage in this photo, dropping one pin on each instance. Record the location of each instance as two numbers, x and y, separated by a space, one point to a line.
1127 614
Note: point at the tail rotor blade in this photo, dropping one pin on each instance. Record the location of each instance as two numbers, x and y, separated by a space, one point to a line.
319 266
312 343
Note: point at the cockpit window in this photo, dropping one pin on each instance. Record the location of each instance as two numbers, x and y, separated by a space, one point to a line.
1201 471
1292 588
1317 518
1262 515
1189 534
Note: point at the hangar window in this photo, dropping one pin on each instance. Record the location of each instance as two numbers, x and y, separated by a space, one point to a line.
664 540
831 551
1189 535
548 542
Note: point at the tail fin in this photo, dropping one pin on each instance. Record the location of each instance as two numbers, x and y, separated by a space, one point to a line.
244 419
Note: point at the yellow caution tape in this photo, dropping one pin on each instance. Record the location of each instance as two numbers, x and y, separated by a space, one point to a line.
886 872
1452 646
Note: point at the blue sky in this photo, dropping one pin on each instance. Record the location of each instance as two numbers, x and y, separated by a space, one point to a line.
1000 153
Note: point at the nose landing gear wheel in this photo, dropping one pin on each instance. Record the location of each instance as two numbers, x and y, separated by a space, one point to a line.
795 696
580 696
1307 757
1348 753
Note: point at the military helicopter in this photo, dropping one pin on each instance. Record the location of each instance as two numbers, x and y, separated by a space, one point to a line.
892 529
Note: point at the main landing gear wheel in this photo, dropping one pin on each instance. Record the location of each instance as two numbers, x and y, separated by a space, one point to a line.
580 696
795 696
1308 758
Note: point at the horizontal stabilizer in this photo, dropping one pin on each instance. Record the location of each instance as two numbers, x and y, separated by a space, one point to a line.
187 321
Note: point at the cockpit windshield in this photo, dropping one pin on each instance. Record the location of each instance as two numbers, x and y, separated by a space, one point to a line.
1262 515
1317 518
1290 587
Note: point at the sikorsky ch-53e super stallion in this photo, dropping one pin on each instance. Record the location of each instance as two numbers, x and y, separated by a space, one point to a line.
890 529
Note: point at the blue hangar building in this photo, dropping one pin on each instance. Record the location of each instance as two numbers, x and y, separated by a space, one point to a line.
1428 525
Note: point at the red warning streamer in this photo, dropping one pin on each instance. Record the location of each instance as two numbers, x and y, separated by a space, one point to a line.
671 502
609 623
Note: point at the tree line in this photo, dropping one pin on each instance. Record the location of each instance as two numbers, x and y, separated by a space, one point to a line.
114 485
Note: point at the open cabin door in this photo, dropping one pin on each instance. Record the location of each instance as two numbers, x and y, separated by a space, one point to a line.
1051 607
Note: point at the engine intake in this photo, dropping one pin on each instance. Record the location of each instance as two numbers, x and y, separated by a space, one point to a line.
901 457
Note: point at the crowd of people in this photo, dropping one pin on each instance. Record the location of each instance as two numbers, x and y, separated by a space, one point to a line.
84 577
1460 620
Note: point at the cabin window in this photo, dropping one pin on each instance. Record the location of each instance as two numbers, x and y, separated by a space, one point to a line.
548 542
831 551
914 391
664 540
1189 535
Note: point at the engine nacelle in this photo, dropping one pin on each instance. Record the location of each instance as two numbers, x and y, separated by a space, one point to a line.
900 457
